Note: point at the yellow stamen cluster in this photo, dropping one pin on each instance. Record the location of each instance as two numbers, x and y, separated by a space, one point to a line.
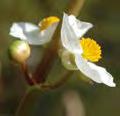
91 50
46 22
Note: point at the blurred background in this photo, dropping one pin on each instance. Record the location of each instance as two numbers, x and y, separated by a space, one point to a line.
78 95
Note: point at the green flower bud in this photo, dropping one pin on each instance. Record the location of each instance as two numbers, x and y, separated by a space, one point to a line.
68 60
19 51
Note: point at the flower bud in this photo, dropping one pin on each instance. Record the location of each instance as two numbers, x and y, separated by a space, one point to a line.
68 60
19 51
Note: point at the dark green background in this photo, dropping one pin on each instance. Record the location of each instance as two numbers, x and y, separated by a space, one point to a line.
98 99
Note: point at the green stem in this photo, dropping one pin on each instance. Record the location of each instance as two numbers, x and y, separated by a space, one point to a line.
43 87
21 104
28 102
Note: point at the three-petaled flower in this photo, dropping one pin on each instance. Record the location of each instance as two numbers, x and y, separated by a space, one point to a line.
33 34
85 50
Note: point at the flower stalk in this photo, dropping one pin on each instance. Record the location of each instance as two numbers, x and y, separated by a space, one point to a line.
58 83
27 74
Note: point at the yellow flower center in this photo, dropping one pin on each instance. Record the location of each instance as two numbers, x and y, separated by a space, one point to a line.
46 22
91 50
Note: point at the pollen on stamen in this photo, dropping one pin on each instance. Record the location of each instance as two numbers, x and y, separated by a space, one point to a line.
46 22
91 49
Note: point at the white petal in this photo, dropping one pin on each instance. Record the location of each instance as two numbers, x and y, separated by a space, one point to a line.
47 34
18 29
79 27
96 73
31 33
68 37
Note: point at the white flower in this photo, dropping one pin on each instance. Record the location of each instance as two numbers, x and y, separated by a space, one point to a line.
33 34
72 30
84 50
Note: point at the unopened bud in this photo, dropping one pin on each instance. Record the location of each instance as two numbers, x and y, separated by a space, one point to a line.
68 60
19 51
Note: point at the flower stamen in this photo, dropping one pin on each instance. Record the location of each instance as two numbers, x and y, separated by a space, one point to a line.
46 22
91 49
